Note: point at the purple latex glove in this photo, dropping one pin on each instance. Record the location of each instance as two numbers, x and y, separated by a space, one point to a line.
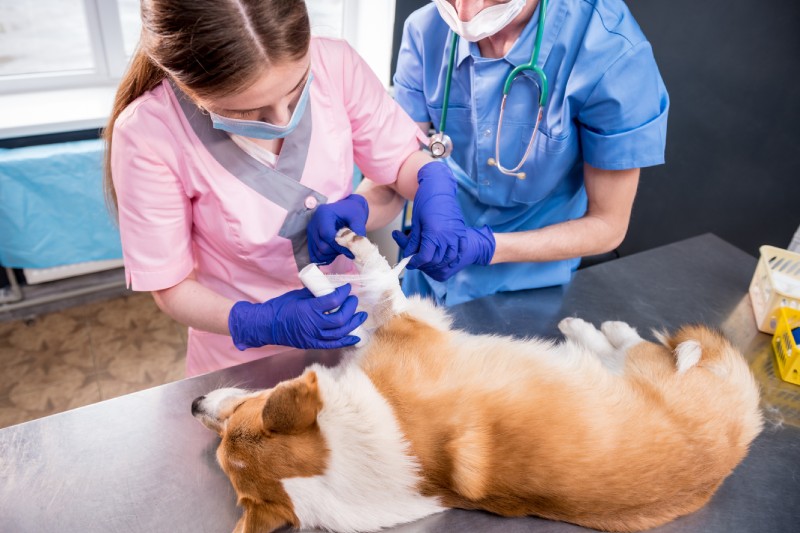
475 248
437 224
351 212
297 319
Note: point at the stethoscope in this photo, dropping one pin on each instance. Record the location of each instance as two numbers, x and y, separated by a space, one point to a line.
441 146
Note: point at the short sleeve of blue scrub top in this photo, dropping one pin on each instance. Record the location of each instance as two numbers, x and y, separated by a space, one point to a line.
607 107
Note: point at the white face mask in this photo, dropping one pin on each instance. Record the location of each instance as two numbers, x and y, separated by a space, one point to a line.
485 24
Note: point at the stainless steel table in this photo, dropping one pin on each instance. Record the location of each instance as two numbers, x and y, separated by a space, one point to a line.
142 463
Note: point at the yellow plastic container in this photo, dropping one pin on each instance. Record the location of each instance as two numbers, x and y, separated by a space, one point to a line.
775 284
787 352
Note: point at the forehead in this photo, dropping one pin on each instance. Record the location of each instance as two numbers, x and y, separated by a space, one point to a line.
248 410
269 86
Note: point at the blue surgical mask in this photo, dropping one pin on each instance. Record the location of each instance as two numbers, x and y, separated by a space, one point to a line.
258 129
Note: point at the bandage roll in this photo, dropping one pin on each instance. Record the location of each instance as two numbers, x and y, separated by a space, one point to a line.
319 285
315 281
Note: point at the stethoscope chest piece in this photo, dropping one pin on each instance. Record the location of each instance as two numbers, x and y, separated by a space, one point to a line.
441 146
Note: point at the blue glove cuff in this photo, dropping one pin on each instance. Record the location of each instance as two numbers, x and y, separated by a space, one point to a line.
440 172
241 321
486 236
361 200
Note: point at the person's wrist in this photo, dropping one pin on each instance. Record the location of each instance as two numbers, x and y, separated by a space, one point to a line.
246 324
359 200
364 209
236 319
488 244
436 170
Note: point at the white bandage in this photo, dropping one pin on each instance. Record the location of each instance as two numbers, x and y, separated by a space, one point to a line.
319 285
377 290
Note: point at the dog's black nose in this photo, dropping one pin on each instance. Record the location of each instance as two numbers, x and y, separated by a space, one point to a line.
196 405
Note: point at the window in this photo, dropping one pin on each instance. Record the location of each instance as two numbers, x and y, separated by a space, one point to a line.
367 25
131 24
327 17
50 44
38 37
60 60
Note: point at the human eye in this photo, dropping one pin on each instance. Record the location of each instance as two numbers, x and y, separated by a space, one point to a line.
242 114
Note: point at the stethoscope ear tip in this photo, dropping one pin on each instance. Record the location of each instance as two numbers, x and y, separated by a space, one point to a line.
492 162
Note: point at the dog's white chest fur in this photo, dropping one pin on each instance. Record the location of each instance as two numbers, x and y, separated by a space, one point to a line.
371 480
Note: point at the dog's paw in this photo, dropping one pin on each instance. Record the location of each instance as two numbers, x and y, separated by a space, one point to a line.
584 333
620 334
348 238
575 328
365 254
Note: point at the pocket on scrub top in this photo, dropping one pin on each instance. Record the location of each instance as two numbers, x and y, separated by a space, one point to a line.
550 161
435 113
459 123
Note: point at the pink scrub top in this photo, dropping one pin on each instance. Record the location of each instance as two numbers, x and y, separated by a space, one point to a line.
191 201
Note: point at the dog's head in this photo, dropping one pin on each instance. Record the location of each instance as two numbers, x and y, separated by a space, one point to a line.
267 436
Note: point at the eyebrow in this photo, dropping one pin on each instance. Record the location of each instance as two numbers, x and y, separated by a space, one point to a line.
302 81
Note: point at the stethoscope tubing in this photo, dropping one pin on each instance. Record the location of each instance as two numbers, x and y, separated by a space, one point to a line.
441 144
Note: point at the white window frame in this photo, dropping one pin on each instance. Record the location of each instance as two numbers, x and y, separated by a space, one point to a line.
368 26
108 53
38 104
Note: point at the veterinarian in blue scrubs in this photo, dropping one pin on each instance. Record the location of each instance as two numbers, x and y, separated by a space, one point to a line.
603 118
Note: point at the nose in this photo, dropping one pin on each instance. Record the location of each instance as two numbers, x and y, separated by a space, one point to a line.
467 9
279 117
196 405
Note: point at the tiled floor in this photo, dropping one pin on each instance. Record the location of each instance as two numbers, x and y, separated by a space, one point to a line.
82 355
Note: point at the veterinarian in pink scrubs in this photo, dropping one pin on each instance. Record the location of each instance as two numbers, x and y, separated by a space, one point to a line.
230 129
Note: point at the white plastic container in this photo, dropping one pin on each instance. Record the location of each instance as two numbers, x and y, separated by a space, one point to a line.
775 284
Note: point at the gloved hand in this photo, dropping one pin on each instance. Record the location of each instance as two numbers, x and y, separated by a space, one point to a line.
475 248
437 223
351 212
297 319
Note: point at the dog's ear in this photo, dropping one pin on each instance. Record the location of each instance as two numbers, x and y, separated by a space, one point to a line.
293 405
259 518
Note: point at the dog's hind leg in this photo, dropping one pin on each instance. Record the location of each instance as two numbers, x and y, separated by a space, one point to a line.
581 332
585 334
620 334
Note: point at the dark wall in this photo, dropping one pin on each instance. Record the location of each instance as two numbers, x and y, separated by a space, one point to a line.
733 141
733 144
403 8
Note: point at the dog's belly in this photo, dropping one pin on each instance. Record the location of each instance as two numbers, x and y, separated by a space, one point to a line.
543 466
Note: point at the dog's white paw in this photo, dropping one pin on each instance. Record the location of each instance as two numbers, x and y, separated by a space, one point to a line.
366 255
620 334
584 333
567 325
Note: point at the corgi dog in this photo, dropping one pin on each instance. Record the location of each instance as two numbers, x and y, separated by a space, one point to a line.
603 429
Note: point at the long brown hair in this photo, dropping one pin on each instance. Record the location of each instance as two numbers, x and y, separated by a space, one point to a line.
210 48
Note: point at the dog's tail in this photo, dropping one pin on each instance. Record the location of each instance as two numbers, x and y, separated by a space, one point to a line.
697 346
702 352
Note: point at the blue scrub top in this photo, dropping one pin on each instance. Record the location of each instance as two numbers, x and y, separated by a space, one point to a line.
607 107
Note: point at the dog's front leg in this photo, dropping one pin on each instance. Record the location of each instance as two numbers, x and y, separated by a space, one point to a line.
377 275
